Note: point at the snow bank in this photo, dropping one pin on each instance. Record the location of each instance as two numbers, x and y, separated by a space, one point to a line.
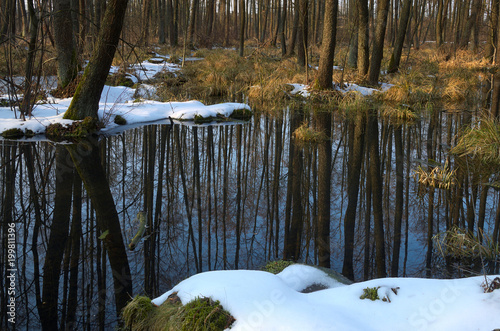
116 100
263 301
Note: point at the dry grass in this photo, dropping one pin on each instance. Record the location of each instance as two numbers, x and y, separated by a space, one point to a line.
462 244
481 142
305 135
441 177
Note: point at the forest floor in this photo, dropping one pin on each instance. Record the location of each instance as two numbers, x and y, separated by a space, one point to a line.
157 88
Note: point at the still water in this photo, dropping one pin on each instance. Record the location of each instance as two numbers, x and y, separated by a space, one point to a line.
228 196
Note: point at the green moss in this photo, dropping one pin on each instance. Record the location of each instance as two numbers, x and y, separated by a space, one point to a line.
275 267
120 120
78 129
13 133
242 114
200 314
370 293
206 314
198 119
137 310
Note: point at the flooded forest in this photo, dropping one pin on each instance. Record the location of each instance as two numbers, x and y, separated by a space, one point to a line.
402 181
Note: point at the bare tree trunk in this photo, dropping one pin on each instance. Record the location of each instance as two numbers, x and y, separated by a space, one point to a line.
242 28
325 70
378 42
302 33
363 39
65 43
489 52
402 30
324 122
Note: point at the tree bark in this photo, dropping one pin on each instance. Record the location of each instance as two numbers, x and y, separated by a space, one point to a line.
402 30
378 42
65 44
302 33
363 39
325 70
324 121
88 93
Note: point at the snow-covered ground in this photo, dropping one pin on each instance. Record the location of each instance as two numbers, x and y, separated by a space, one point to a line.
303 90
262 301
118 100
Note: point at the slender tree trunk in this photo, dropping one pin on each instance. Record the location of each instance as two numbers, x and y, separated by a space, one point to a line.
356 152
324 121
57 240
376 179
242 28
363 39
378 42
65 43
302 33
325 70
491 47
402 30
398 213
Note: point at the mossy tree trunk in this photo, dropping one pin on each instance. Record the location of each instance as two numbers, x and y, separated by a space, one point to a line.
325 70
65 43
86 99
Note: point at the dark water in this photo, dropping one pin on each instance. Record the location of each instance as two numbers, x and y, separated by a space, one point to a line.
220 197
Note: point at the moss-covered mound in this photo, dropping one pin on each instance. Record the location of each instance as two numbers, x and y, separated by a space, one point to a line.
78 129
275 267
17 133
199 314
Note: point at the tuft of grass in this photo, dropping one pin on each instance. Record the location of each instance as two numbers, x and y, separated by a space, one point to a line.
401 113
438 177
460 243
481 142
306 135
199 314
275 267
370 293
353 103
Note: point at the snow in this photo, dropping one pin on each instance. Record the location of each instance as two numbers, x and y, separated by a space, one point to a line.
259 300
119 100
303 90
